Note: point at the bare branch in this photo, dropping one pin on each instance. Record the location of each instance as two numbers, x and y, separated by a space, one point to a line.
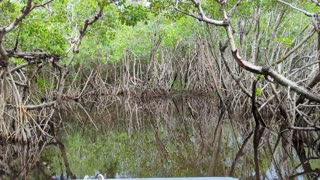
202 17
33 55
23 65
267 71
37 106
4 30
234 8
76 46
42 5
85 86
24 12
294 86
316 128
83 30
295 48
293 7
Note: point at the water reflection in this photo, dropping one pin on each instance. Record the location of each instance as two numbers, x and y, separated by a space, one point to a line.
181 137
17 159
174 137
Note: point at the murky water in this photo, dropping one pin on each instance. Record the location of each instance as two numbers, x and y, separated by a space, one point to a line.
178 137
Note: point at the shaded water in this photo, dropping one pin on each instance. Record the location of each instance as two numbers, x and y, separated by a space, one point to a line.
175 137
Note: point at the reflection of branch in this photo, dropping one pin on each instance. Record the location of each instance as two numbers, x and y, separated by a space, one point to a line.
307 160
315 172
5 167
88 115
239 154
298 144
65 158
258 132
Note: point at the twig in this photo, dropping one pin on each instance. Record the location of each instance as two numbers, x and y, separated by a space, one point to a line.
316 128
295 48
86 84
293 7
88 115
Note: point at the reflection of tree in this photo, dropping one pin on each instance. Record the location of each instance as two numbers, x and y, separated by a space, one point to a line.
306 152
184 137
239 154
16 160
258 132
188 133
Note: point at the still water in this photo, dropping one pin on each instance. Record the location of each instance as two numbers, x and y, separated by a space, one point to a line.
177 137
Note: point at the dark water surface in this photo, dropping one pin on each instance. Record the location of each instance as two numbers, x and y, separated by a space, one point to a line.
178 137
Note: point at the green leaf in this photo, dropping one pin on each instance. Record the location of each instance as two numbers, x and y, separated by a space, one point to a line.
258 91
259 76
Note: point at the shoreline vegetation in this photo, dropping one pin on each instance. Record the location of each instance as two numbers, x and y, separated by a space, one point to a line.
259 61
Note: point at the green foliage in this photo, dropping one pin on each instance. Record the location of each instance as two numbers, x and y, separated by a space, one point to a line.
285 40
180 31
133 28
110 153
103 3
315 164
42 35
140 38
43 84
259 76
6 7
135 39
165 8
131 14
258 91
17 61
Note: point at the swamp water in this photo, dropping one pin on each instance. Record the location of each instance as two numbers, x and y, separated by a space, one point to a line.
178 137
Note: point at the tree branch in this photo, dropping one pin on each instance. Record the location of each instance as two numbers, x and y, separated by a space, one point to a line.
266 71
24 12
293 7
33 55
295 48
202 17
4 30
76 46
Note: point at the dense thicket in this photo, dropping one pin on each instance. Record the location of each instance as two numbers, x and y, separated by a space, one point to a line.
260 58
